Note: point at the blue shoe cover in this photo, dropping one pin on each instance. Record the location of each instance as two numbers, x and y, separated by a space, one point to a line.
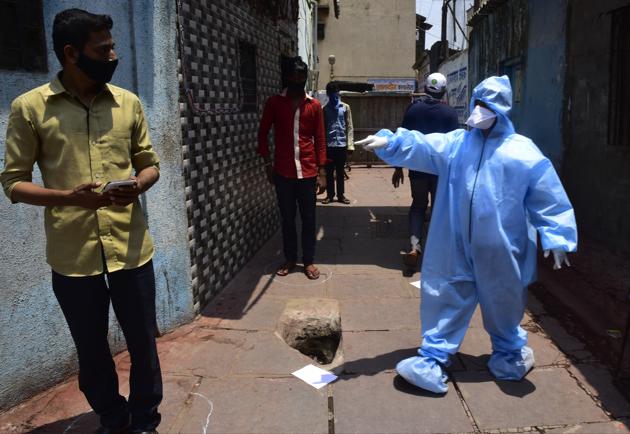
511 366
423 372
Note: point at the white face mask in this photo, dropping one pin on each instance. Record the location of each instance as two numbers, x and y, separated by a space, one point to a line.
481 118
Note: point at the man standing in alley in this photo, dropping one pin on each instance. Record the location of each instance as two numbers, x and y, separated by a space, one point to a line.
298 169
83 132
339 141
428 115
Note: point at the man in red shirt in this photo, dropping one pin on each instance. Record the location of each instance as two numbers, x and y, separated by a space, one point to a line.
298 167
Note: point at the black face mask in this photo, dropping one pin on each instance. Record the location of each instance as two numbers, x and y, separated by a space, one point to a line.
98 70
296 88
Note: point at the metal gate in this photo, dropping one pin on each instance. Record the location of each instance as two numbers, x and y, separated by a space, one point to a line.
372 112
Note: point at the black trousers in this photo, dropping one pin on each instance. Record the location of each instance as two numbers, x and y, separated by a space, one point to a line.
85 304
338 158
303 193
421 185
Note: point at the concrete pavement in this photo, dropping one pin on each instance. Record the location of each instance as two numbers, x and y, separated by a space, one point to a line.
228 372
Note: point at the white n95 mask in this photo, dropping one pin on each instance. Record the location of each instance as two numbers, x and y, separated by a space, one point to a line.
481 118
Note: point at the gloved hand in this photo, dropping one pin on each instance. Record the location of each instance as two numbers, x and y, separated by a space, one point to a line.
559 256
370 143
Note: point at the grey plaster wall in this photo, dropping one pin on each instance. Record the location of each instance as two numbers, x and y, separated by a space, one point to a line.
36 350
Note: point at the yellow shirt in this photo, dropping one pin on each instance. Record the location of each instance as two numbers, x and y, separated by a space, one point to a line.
73 145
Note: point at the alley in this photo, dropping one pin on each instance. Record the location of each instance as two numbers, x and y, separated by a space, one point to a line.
228 372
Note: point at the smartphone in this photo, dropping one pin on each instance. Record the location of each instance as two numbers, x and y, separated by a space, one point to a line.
112 185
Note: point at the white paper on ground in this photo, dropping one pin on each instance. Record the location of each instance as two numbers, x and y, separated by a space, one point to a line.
315 376
416 284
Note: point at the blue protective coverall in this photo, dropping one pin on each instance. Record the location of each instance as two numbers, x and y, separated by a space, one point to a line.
493 195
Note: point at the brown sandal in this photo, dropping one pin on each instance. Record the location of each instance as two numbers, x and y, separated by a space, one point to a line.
312 273
285 269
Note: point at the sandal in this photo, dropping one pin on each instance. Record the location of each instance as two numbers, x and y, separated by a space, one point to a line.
311 272
326 201
344 200
285 269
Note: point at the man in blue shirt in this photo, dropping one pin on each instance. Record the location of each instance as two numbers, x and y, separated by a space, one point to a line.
339 140
427 115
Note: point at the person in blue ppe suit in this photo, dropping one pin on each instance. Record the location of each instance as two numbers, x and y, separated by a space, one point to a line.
495 190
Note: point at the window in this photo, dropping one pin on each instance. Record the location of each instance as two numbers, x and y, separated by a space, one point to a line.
22 42
619 113
249 90
321 31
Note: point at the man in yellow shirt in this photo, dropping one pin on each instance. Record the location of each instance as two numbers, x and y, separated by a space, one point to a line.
83 133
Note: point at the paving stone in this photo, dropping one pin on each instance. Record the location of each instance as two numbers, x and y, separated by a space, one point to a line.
66 410
545 352
385 403
380 314
599 382
372 352
599 428
327 232
295 284
477 348
260 313
203 352
477 320
264 353
345 286
544 397
52 411
534 305
370 256
257 405
559 335
177 389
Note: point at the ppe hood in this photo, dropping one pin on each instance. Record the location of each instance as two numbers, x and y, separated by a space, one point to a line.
496 93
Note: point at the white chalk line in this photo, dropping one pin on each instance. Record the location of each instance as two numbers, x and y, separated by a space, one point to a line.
325 271
67 430
205 428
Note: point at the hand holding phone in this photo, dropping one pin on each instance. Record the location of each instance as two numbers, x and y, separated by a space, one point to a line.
114 185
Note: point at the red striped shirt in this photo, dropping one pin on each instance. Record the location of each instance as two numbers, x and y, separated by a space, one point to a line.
299 136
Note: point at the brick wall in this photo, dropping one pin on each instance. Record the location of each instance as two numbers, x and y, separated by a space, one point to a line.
231 208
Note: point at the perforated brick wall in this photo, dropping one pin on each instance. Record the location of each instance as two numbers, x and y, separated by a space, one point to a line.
231 208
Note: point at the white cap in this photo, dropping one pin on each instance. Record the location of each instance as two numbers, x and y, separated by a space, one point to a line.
436 82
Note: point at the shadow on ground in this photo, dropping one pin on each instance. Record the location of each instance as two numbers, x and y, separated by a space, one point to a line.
351 240
81 424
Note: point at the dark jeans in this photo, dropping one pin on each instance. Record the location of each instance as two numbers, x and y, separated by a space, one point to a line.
337 157
85 304
421 185
303 193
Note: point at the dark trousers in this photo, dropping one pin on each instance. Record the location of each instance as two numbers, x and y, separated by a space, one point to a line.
337 157
85 304
303 193
421 185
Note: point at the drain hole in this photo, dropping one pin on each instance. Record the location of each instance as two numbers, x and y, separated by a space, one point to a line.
313 327
322 349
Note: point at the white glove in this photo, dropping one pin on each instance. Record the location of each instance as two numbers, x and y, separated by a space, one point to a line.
370 143
559 256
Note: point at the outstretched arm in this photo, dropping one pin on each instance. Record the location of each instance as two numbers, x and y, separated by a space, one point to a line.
411 149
